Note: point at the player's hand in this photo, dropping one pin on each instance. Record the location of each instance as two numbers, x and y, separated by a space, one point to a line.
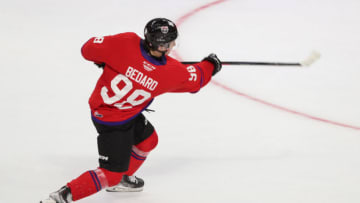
100 65
212 58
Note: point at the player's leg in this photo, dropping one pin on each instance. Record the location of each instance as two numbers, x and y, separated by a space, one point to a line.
114 151
114 145
140 152
85 185
145 141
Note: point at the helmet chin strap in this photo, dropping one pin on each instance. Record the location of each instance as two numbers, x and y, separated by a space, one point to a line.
148 47
162 53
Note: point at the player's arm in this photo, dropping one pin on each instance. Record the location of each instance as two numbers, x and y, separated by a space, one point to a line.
200 74
96 49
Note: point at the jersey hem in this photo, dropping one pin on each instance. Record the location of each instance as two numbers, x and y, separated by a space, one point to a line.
113 123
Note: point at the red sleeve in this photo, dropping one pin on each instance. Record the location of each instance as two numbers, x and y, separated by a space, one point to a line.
96 49
101 49
195 77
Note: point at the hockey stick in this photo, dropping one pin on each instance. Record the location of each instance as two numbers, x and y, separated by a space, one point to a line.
307 62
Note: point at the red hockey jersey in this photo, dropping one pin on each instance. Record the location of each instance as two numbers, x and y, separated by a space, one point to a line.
132 78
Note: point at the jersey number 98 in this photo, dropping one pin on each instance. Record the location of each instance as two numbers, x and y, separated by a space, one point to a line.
192 71
135 98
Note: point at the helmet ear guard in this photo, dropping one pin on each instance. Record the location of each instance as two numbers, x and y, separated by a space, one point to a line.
160 32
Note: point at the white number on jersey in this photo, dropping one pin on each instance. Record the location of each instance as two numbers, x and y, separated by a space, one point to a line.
192 71
132 99
98 40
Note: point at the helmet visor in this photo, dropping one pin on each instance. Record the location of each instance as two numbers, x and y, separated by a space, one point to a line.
166 47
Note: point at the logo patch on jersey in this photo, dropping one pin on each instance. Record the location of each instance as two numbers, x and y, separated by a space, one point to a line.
104 158
148 66
164 29
97 114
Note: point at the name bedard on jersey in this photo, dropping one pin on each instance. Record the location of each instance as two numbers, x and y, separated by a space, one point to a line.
141 78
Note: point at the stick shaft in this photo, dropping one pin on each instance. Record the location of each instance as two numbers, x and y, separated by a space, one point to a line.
250 63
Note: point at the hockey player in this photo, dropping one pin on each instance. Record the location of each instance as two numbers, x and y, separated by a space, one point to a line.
135 71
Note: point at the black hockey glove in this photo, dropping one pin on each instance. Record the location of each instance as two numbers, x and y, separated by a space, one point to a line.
100 65
212 58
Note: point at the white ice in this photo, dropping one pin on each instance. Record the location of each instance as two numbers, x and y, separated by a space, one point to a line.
215 146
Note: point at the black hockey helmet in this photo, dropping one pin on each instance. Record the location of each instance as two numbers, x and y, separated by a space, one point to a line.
160 32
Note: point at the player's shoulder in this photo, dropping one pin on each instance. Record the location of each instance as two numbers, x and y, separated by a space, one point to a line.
121 41
176 67
173 62
126 36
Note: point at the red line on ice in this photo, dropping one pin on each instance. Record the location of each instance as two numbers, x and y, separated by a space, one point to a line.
183 18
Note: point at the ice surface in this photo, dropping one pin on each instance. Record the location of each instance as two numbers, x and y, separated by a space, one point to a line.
214 146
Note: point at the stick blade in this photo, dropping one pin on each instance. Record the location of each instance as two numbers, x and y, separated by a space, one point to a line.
314 56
